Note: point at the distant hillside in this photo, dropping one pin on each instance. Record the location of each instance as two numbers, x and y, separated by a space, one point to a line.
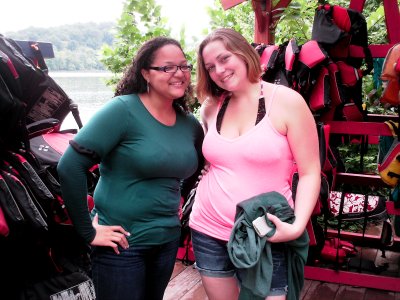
76 46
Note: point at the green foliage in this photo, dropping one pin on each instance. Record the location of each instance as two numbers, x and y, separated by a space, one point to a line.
139 21
80 59
377 33
76 46
239 18
354 162
352 226
296 22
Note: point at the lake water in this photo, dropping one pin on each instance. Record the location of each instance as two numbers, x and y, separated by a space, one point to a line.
88 90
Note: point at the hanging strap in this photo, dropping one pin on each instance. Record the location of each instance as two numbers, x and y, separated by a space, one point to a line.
364 229
339 226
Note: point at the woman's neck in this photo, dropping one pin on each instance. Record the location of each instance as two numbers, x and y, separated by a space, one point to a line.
160 109
249 91
156 102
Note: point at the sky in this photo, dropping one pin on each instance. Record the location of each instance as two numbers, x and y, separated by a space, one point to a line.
20 14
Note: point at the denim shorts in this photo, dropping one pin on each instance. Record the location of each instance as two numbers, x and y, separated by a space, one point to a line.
212 260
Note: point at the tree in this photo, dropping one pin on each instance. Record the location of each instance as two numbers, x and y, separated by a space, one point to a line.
139 21
76 46
239 18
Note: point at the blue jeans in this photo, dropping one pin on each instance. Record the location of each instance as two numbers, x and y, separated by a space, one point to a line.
137 273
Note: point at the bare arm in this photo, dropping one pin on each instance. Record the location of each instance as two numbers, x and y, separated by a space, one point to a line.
299 125
207 111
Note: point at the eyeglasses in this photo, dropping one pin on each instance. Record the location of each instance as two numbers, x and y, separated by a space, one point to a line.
173 69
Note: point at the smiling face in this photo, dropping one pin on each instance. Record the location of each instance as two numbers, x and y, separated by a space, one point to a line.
168 85
225 68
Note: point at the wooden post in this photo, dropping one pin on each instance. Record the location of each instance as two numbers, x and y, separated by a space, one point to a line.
266 18
262 27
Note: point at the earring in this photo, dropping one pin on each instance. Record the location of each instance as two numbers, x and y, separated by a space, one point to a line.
148 87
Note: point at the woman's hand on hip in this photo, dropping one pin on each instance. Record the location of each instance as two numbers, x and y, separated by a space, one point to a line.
109 236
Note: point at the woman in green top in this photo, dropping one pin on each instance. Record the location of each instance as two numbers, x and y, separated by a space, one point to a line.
149 147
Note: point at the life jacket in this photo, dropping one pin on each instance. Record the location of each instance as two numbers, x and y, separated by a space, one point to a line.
340 31
391 76
389 156
28 94
32 211
325 70
273 64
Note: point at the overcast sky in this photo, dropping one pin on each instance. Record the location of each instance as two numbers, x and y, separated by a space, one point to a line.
20 14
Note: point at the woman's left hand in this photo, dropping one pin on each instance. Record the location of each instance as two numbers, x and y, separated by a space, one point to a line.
284 231
109 235
204 171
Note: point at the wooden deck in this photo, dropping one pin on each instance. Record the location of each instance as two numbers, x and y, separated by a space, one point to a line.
186 284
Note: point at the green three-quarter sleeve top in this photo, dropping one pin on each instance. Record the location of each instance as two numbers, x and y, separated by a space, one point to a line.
142 165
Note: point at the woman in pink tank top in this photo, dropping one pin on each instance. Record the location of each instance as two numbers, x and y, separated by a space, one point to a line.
255 133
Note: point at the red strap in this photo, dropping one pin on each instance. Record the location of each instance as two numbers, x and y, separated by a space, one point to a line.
349 75
290 54
341 18
269 56
10 64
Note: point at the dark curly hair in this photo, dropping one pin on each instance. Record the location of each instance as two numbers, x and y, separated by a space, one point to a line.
133 80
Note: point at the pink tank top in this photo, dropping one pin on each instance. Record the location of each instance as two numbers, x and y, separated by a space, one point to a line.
258 161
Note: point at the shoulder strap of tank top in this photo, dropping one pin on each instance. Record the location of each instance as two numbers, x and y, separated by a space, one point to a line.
222 104
271 99
221 100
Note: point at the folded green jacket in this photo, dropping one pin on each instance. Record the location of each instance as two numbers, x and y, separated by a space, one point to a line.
252 254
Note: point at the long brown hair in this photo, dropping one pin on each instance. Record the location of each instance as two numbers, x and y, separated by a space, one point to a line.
238 45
